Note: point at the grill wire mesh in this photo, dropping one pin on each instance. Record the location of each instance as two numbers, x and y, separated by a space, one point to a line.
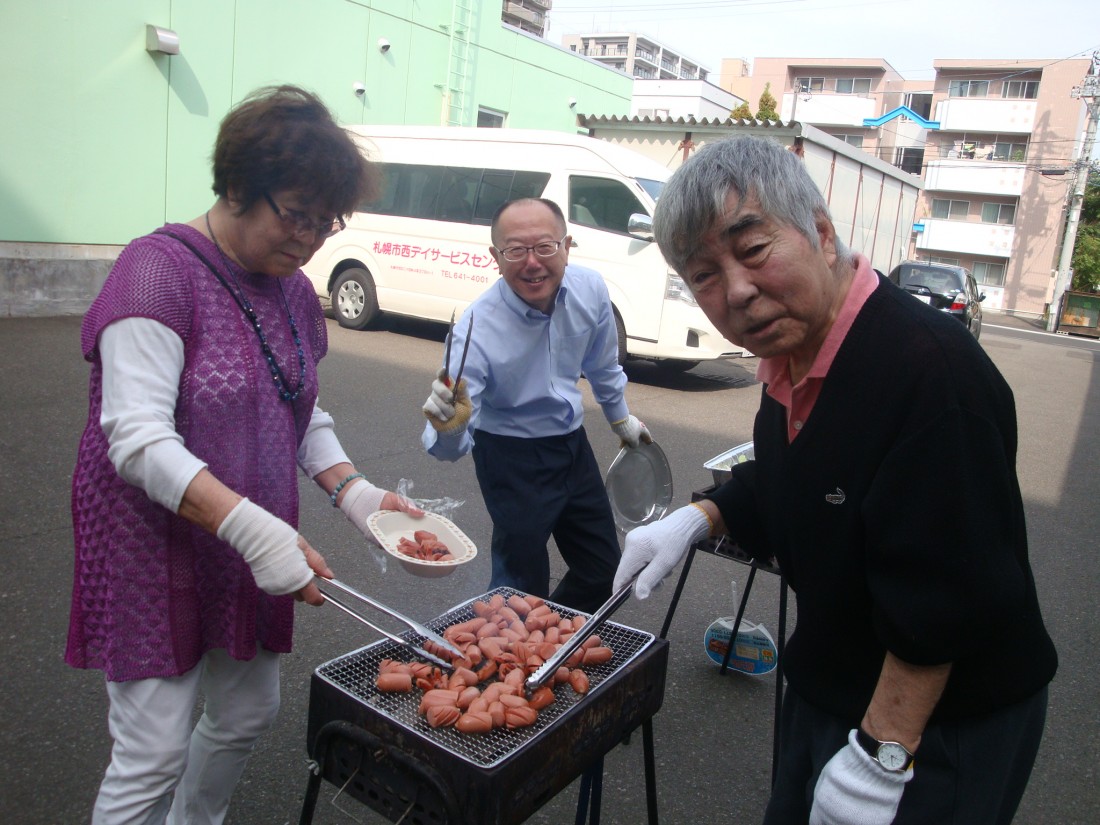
355 674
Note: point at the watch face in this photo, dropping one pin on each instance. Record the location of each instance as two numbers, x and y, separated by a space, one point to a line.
893 756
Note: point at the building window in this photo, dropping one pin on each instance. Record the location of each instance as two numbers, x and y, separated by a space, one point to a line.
1020 89
989 273
490 119
910 160
1007 150
921 103
853 85
851 140
809 84
968 88
999 213
950 210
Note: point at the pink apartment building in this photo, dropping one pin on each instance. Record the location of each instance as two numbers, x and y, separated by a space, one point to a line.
995 142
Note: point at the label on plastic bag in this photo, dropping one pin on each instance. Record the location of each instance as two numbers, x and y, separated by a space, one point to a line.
754 652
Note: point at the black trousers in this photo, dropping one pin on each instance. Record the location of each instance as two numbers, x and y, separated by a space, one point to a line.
969 772
535 488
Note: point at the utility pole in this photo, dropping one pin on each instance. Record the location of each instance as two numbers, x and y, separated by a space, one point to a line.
1089 91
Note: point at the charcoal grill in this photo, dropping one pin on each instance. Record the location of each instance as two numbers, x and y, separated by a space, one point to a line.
379 751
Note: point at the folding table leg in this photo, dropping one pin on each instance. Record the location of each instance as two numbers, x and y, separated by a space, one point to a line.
737 620
677 592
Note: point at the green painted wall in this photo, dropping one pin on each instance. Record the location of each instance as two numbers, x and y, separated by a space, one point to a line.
101 141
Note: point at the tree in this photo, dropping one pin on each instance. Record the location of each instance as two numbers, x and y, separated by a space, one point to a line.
765 109
742 112
1086 250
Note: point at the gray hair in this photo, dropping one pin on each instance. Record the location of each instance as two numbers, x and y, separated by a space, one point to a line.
751 167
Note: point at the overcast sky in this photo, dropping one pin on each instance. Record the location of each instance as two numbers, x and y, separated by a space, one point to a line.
908 34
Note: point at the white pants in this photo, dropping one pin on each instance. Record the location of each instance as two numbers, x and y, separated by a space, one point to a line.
155 748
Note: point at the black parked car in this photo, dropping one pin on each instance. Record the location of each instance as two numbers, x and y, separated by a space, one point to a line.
948 288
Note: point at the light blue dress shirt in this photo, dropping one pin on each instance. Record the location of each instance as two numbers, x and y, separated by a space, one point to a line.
523 366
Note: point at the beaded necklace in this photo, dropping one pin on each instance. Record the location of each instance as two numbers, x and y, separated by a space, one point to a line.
277 376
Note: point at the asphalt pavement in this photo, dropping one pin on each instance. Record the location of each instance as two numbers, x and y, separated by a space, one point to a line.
712 734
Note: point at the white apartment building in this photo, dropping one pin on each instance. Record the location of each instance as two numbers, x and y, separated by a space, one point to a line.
639 56
995 141
527 15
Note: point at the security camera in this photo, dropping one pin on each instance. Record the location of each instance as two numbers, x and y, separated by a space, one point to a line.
359 89
383 45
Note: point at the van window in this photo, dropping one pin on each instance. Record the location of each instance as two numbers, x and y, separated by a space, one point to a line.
451 193
602 203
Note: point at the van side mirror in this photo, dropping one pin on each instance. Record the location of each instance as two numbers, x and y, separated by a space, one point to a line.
640 226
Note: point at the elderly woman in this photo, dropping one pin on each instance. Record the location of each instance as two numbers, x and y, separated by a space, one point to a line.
204 344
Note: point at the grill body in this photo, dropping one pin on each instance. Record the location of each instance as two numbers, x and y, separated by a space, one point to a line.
380 752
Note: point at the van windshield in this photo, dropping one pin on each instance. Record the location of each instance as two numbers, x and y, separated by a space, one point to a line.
652 187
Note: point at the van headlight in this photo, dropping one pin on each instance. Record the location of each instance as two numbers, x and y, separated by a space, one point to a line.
676 290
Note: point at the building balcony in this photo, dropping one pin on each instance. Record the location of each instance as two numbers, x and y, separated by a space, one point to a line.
966 237
545 5
961 114
648 57
520 12
828 110
983 177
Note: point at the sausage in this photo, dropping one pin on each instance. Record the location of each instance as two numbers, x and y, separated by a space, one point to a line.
467 696
598 656
437 696
519 604
477 721
442 716
541 698
520 717
578 680
512 700
497 714
394 682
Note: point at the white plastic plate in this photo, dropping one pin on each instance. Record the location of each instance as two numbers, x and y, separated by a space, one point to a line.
390 526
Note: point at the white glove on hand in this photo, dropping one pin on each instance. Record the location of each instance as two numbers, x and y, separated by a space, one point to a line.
853 789
359 501
654 549
270 547
447 409
632 431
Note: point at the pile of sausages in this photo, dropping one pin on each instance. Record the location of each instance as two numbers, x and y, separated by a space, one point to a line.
505 642
425 546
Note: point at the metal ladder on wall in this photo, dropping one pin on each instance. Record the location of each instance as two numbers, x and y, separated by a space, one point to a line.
454 90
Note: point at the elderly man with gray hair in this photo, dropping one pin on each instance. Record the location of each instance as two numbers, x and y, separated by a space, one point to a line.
884 485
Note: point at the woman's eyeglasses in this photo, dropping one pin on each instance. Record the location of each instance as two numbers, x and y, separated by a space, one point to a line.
299 222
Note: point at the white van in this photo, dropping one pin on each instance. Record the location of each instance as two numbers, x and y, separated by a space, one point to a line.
422 248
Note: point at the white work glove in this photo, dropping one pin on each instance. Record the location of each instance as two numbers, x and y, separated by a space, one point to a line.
654 549
359 501
269 546
447 409
632 431
853 789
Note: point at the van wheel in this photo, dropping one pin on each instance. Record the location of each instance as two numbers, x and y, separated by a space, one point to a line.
620 332
354 300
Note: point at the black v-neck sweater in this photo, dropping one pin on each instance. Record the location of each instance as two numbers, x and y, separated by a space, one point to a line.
896 518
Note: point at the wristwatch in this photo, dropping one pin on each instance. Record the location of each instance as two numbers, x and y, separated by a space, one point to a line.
893 756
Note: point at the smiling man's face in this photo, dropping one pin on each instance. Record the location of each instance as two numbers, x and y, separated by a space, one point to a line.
534 279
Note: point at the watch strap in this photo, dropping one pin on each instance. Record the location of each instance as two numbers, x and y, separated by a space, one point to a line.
872 745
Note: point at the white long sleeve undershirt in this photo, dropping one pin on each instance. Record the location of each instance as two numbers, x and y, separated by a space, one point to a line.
142 363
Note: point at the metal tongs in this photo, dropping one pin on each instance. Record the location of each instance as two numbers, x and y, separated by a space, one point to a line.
447 354
551 665
423 630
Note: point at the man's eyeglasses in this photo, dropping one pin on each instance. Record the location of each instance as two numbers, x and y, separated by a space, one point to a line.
543 250
299 222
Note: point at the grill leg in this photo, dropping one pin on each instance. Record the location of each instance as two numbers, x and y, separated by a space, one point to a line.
591 791
650 771
676 595
779 676
737 621
309 803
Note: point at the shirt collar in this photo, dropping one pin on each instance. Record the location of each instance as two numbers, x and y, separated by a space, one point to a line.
522 308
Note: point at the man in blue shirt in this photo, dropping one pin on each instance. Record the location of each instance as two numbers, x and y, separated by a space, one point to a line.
518 408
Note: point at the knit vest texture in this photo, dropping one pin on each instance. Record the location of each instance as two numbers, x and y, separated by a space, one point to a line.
152 592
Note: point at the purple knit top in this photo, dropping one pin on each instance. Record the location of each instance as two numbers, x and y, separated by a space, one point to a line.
153 592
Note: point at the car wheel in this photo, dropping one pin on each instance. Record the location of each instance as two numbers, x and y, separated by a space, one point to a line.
354 300
620 332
